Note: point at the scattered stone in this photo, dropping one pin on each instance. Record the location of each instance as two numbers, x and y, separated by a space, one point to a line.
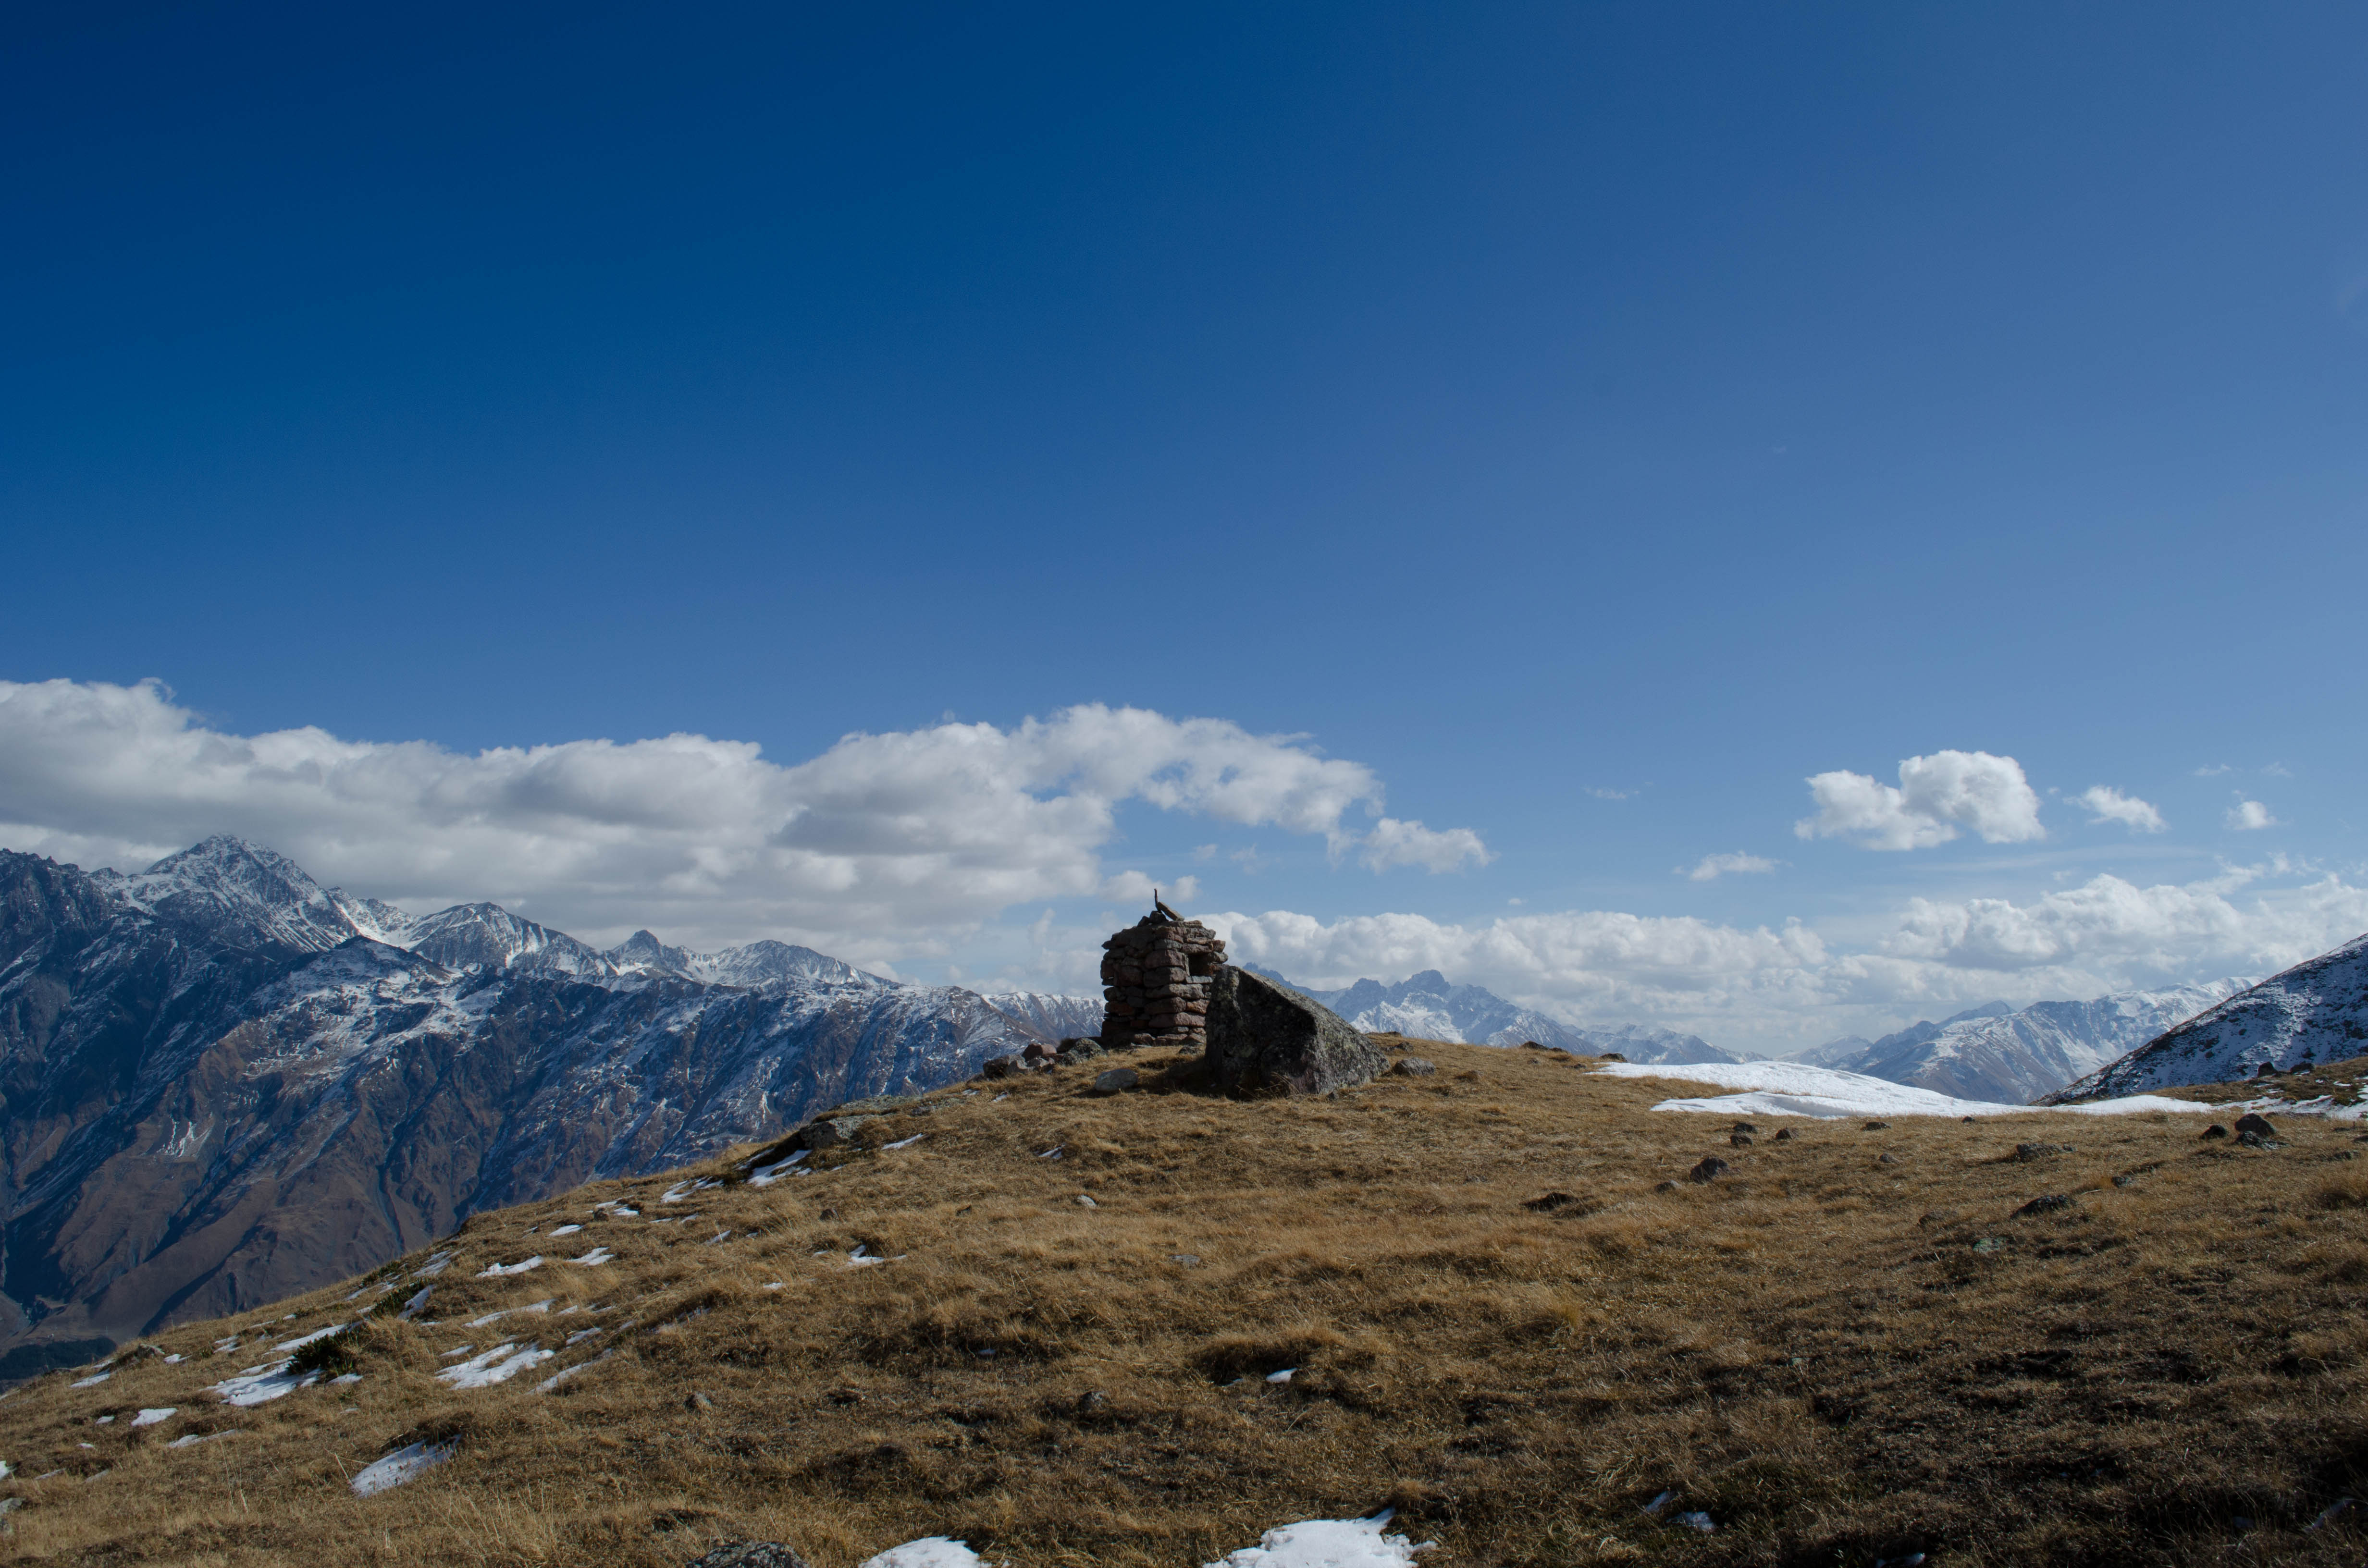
1874 1126
1739 1139
1412 1067
2214 1130
2026 1153
1117 1081
1547 1203
1185 1259
1611 1056
1695 1521
697 1400
1084 1201
1887 1160
2052 1203
1666 1186
2255 1140
1091 1402
750 1554
1710 1169
1989 1244
1002 1066
2257 1124
1264 1039
1783 1135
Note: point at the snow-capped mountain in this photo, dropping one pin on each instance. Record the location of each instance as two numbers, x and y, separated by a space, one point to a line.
1426 1007
2013 1056
1049 1017
2315 1012
220 1083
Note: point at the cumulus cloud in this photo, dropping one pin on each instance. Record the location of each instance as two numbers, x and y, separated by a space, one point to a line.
1712 867
1774 988
885 845
2246 815
2107 804
1394 842
1936 798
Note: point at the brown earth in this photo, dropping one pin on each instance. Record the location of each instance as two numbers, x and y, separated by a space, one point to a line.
1849 1348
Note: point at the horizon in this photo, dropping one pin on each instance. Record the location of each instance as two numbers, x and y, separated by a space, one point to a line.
1770 526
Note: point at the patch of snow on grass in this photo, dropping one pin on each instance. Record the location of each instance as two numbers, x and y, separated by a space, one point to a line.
433 1267
930 1551
302 1340
195 1437
150 1418
566 1229
681 1190
93 1381
1327 1543
503 1270
596 1256
541 1306
765 1175
411 1309
260 1385
404 1464
1795 1088
556 1379
498 1364
905 1142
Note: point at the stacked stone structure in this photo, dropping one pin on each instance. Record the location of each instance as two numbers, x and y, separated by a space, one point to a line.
1155 980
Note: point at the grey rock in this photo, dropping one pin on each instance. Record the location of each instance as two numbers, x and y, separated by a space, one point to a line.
1002 1066
750 1554
1785 1135
831 1131
2052 1203
1412 1067
1264 1039
1875 1126
1739 1139
1710 1169
2259 1126
1745 1126
2026 1153
2214 1130
697 1400
1665 1186
1117 1081
1084 1200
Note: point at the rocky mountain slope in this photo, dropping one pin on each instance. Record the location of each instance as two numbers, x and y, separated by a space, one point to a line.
1426 1007
220 1083
2014 1056
2315 1012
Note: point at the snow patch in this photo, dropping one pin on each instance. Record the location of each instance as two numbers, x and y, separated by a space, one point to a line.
1795 1088
503 1270
1327 1543
930 1551
151 1417
403 1465
498 1364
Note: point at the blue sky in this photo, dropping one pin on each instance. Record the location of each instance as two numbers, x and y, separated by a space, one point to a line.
1593 422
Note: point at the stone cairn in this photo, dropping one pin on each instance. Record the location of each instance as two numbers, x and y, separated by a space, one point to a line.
1155 979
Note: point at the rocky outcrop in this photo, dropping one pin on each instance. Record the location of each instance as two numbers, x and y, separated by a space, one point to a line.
1266 1039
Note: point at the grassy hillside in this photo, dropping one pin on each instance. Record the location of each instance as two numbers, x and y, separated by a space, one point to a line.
1849 1348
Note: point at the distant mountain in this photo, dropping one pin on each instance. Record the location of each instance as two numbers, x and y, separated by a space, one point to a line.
1048 1017
1427 1007
2014 1056
2315 1012
220 1083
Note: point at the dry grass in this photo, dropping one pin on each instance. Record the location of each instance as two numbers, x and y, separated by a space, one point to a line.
1838 1358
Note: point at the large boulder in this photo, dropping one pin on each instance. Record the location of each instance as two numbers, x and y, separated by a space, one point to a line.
1264 1039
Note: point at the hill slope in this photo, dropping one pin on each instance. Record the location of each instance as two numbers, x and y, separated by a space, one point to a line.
1853 1346
2017 1055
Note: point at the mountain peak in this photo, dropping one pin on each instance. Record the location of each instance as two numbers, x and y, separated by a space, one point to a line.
237 892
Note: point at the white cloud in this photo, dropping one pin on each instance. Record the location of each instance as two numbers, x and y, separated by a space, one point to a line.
883 846
1936 797
1393 843
1614 794
1712 867
1766 989
2212 770
2246 815
2107 804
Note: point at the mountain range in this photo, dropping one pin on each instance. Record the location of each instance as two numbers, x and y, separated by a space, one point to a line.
2013 1056
1427 1007
220 1082
2314 1013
